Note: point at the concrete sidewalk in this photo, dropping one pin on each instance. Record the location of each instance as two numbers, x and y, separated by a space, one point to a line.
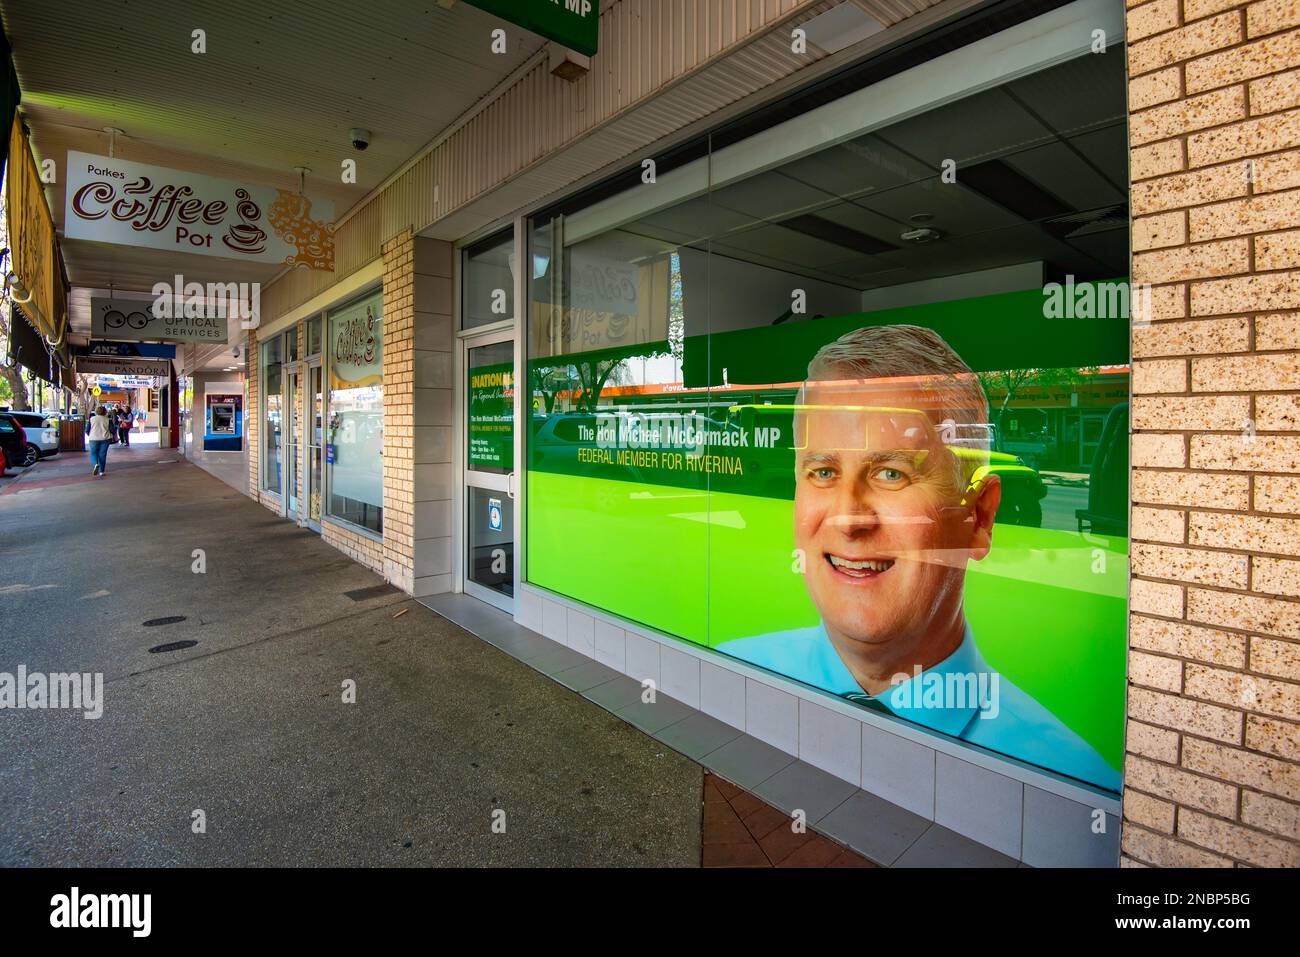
248 725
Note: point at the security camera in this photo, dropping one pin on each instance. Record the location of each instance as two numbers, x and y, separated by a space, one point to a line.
235 352
360 138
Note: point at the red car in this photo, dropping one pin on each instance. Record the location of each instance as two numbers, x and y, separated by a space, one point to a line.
13 440
2 463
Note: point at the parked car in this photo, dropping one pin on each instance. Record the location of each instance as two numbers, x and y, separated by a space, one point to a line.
13 439
42 434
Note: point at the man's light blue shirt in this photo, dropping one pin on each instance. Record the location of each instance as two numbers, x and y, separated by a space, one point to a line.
1022 728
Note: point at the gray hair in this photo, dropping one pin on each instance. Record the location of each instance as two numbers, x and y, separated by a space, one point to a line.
913 352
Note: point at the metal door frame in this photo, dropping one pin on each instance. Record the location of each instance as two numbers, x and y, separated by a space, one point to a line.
468 478
308 423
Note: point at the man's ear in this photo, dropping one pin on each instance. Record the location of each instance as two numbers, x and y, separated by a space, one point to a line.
985 509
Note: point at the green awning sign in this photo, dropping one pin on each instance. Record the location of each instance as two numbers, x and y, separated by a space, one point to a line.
571 23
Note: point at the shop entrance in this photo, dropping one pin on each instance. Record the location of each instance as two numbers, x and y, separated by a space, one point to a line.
488 561
314 401
293 402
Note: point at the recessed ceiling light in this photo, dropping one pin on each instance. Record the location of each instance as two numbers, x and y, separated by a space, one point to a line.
920 236
921 218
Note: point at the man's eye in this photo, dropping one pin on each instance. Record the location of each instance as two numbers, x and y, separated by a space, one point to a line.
823 474
891 476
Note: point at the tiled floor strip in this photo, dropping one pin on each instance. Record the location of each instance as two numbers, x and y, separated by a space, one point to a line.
882 832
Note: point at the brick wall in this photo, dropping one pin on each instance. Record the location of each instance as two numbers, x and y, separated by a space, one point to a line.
304 424
253 416
399 411
1212 771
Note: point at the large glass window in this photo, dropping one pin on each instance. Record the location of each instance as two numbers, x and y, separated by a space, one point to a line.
272 385
487 280
355 445
857 412
312 336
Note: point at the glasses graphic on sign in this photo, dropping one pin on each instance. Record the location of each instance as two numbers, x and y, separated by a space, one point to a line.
116 319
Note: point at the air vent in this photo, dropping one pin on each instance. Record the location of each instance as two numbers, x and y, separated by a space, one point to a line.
1086 223
832 232
997 181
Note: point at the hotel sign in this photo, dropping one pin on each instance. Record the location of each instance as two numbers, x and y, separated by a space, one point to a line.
122 366
135 204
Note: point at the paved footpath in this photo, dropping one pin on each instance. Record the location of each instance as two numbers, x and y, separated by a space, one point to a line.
248 725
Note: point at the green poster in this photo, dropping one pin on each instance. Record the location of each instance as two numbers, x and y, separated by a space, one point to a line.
571 23
491 417
908 524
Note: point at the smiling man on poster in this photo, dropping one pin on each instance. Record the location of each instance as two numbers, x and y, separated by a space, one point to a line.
893 499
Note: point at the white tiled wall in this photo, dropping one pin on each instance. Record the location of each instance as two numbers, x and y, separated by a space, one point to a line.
553 621
899 770
679 675
975 794
581 632
722 694
982 804
772 715
610 645
642 658
830 740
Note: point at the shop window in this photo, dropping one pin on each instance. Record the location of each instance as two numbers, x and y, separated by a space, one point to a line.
312 336
487 281
858 422
272 384
354 463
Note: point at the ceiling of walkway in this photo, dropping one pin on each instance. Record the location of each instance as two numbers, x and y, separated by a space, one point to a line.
280 86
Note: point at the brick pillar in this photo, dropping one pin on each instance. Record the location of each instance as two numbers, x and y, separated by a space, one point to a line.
253 415
304 425
1212 769
399 401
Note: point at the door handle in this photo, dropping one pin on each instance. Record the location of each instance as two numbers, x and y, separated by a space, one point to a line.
510 486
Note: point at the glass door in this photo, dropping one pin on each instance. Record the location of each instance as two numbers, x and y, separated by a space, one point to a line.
489 468
315 412
292 402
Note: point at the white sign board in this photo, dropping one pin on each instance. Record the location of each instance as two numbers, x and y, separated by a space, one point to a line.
123 365
133 320
136 204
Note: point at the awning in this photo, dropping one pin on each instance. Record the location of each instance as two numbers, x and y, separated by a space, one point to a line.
9 93
33 247
27 349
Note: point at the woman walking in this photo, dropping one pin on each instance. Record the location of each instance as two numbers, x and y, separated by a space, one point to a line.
101 433
124 427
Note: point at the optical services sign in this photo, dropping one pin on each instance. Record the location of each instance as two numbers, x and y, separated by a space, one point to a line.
137 320
135 204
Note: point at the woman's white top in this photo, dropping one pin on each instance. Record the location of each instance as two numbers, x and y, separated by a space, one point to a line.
100 428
